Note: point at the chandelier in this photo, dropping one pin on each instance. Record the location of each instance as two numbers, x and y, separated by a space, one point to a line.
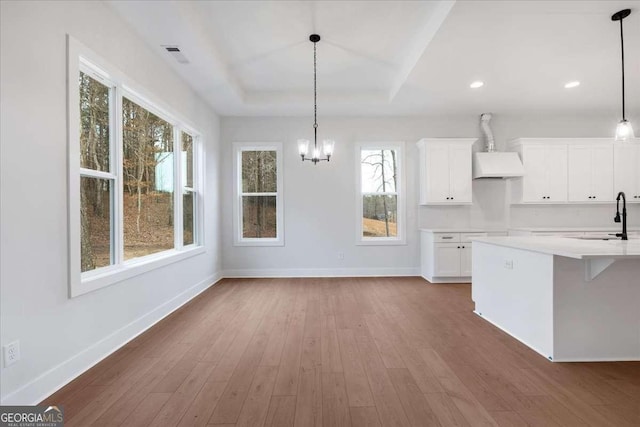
624 131
327 144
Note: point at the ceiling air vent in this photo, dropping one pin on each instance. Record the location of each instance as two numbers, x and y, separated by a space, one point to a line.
175 52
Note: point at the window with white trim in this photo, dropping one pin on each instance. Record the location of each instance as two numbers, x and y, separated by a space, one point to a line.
381 204
134 205
258 210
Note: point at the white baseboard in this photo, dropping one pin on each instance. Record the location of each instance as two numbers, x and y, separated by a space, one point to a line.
322 272
57 377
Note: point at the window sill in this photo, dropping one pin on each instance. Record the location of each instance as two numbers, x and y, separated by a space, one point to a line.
259 242
99 279
381 242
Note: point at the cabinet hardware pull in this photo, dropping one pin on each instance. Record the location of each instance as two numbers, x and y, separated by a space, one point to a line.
447 237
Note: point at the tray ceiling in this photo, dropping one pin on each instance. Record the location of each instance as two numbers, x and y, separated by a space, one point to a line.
396 57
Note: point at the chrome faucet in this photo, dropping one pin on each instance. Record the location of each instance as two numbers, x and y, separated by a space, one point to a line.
622 235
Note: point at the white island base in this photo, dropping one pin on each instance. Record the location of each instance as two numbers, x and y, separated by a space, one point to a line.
570 300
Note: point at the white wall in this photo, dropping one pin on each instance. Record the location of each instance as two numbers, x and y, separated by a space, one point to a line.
61 337
320 200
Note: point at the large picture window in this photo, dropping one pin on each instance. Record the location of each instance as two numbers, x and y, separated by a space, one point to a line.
133 202
258 211
380 214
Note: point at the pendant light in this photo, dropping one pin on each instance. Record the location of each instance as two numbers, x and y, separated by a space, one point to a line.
327 144
624 131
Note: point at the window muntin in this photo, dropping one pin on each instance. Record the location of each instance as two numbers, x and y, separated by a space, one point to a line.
97 179
259 202
380 200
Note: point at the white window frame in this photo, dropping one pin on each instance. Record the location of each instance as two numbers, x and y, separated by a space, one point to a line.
80 58
238 239
401 238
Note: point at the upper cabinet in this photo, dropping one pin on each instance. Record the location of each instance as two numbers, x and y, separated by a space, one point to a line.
576 170
590 170
445 171
626 177
545 172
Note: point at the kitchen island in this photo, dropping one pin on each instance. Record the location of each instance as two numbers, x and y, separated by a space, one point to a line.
569 299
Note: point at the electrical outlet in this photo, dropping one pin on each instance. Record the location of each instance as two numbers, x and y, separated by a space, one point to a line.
508 264
341 256
11 353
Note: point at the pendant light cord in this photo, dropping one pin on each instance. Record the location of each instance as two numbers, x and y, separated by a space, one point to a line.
622 47
315 100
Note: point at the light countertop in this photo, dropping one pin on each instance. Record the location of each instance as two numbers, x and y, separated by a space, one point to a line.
569 247
607 228
463 230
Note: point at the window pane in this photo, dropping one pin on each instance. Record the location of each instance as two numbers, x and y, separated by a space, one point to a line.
379 168
94 124
188 208
147 173
187 161
259 216
259 172
95 223
380 216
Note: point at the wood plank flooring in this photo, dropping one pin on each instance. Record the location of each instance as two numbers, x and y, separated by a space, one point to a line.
342 352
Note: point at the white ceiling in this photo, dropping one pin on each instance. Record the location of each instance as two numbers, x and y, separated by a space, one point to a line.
397 57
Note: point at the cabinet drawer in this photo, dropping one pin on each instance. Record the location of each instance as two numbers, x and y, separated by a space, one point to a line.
466 237
446 237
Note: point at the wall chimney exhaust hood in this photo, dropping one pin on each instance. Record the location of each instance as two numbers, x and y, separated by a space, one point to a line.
492 163
497 165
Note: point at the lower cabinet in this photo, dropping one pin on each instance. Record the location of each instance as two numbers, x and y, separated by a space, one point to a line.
446 256
452 259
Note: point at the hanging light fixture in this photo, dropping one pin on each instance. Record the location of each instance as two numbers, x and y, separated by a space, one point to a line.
327 144
624 131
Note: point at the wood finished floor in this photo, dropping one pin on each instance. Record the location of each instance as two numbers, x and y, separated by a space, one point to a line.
342 352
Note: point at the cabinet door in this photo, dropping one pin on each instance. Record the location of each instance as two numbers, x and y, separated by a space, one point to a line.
626 158
460 173
437 174
602 173
465 259
447 259
534 183
556 165
580 173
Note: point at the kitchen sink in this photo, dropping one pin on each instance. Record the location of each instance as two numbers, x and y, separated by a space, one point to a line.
595 238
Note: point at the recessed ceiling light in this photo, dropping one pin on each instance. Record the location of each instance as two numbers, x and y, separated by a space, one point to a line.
572 84
476 85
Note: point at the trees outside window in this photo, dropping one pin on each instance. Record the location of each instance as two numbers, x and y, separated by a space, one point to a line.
124 176
147 180
96 192
380 198
258 178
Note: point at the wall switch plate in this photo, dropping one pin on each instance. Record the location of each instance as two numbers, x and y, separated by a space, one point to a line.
508 264
11 353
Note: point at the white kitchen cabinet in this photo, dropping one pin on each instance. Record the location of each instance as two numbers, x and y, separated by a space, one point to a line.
447 259
626 177
445 171
545 173
590 173
465 259
446 256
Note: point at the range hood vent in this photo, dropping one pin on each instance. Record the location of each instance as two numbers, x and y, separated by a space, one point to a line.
492 163
497 165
